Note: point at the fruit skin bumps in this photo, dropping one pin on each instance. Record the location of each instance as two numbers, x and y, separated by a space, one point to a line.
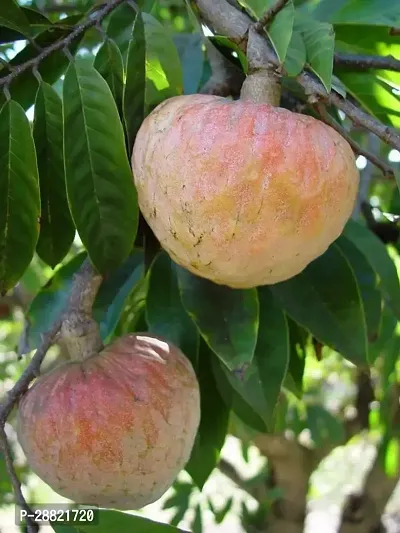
240 193
115 429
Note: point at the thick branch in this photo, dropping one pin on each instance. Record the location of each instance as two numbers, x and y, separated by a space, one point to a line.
33 63
227 20
362 62
386 169
270 14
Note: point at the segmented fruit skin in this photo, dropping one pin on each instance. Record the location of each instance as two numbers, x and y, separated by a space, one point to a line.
115 429
240 193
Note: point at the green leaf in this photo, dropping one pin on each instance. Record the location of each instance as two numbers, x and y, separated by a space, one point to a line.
123 523
213 424
163 68
100 187
235 400
135 86
108 62
227 318
111 299
373 12
319 40
388 325
325 299
272 351
57 230
260 382
374 94
19 195
12 16
115 291
165 313
377 255
226 46
280 28
49 303
372 40
24 88
189 47
367 283
120 25
37 23
296 55
324 427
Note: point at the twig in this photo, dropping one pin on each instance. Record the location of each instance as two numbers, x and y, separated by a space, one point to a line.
269 15
16 484
225 19
362 62
386 169
357 115
62 43
394 31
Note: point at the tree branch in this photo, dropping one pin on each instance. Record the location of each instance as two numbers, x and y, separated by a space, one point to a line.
33 63
362 62
387 170
224 18
270 14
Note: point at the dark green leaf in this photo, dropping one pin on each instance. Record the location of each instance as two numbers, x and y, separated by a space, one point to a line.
367 283
115 291
123 523
272 351
180 500
37 22
19 195
108 62
319 40
324 427
49 303
100 186
297 362
296 55
135 86
197 523
226 46
24 88
189 46
260 382
377 255
214 421
325 299
280 28
57 230
165 313
12 16
120 25
227 318
235 400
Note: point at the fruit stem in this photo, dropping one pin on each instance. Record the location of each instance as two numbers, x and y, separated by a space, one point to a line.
262 84
79 331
